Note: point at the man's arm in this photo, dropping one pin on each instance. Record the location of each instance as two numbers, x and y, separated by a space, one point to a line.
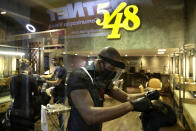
118 94
84 104
47 76
55 82
135 96
61 75
122 96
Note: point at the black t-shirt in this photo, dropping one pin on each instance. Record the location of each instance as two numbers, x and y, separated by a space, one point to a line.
60 73
79 79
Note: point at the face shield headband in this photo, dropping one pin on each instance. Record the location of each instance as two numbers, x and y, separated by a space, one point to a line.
113 62
116 78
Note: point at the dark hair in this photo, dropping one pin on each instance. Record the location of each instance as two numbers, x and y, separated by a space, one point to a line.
161 115
58 58
24 64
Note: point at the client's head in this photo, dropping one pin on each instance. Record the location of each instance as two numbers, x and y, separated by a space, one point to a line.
161 115
24 65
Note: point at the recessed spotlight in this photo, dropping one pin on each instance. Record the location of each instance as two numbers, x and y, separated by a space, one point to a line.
30 28
126 55
161 50
75 54
3 12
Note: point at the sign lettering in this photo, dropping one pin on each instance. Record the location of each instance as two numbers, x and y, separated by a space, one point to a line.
129 17
71 10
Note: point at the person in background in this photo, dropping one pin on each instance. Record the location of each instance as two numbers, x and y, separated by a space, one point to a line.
86 89
59 92
23 90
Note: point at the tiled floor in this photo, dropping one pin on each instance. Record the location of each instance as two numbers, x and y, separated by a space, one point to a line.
128 122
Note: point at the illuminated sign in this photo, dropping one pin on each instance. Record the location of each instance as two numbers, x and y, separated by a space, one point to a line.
129 17
30 28
82 15
70 11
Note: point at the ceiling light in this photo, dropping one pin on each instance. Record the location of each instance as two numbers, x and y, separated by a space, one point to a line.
126 55
30 28
76 54
161 50
11 53
3 12
160 53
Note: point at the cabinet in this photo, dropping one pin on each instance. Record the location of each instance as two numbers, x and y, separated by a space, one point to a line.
4 103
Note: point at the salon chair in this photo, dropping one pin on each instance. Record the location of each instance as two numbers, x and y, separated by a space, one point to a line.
23 109
154 83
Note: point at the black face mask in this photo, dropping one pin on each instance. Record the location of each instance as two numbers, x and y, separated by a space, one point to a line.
108 75
105 79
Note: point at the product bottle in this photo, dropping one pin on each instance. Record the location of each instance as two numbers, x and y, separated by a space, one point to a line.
44 87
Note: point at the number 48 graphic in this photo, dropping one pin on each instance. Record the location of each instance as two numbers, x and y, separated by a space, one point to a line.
129 16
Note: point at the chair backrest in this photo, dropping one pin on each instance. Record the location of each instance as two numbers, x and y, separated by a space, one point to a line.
21 87
20 91
155 83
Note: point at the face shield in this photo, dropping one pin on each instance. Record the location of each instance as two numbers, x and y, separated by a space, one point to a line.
111 75
116 81
113 66
119 72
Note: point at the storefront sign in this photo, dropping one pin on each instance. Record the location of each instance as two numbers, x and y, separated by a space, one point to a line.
118 23
79 18
70 11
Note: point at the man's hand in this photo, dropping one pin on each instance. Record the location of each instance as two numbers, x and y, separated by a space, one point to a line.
153 95
142 104
41 81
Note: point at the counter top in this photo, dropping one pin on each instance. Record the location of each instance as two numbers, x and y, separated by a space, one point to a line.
176 95
190 115
188 109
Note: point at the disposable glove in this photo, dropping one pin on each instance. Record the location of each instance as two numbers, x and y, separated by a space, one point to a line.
142 104
153 95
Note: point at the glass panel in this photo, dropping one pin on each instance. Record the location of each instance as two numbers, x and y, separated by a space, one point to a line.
43 41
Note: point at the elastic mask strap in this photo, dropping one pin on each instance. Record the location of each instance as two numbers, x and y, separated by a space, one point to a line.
85 70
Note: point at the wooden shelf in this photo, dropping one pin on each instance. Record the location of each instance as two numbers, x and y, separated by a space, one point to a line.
57 45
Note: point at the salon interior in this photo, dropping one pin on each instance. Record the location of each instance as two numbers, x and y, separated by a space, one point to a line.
163 46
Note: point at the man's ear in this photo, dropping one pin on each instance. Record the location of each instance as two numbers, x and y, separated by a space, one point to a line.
100 64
